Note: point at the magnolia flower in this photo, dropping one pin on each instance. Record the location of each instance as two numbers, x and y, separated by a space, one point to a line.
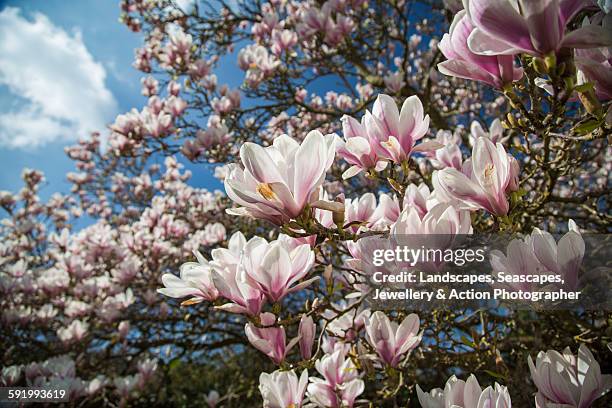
146 371
495 70
595 64
10 375
274 267
390 340
465 394
495 133
195 281
212 399
283 40
538 253
282 389
347 324
278 181
388 209
256 57
575 381
483 181
306 333
123 329
441 219
360 210
450 154
505 27
269 340
359 148
76 331
385 134
231 283
341 384
125 385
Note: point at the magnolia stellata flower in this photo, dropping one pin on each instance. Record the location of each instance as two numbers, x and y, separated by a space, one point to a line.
495 70
567 380
278 181
306 333
274 267
340 385
483 181
465 394
282 389
538 253
269 340
390 340
195 280
533 27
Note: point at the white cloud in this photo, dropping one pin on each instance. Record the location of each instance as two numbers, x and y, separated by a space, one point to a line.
56 77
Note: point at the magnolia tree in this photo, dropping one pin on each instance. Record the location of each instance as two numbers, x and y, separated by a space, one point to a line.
353 119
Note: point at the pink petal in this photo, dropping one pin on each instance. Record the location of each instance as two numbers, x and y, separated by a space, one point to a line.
589 36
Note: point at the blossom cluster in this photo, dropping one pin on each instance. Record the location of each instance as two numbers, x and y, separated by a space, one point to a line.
497 125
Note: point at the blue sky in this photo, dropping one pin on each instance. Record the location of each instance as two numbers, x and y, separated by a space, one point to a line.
65 69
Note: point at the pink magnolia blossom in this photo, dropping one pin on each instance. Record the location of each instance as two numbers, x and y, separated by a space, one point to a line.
76 331
340 385
212 398
505 27
306 332
595 64
440 219
348 323
283 389
394 82
390 340
283 40
388 209
387 133
495 133
483 181
277 182
494 70
359 149
360 210
269 340
195 281
568 380
450 154
274 268
465 394
538 253
230 281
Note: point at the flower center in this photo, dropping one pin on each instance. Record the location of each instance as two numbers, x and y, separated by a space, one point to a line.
489 171
265 190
